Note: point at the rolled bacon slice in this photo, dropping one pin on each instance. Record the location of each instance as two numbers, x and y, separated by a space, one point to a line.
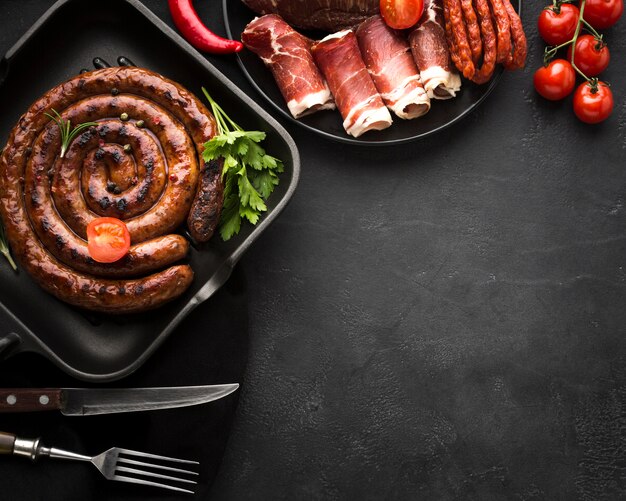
388 58
431 53
287 54
359 102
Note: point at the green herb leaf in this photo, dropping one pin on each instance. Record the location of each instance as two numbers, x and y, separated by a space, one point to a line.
255 135
265 182
230 222
245 189
249 196
67 133
249 214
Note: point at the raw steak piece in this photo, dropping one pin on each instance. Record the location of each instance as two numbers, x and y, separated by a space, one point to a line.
327 15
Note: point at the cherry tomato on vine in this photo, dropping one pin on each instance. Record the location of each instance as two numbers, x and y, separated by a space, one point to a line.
591 56
557 24
401 14
556 80
593 107
602 14
108 239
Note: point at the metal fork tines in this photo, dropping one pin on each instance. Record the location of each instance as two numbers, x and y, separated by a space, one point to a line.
122 465
116 464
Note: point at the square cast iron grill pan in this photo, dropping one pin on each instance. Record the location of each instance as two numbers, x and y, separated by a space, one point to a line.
68 36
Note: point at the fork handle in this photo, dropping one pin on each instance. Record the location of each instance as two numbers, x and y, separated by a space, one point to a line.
30 399
7 441
12 444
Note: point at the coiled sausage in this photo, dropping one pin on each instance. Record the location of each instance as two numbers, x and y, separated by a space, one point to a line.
140 163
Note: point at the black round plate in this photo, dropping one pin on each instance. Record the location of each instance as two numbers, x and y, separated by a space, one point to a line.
329 123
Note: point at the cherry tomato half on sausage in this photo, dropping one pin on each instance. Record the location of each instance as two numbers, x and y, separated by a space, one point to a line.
593 107
108 239
401 14
558 24
556 80
591 56
602 14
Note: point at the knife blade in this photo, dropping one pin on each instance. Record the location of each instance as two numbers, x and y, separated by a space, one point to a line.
92 401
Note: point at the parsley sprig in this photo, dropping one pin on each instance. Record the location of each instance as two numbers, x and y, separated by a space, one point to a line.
4 248
249 174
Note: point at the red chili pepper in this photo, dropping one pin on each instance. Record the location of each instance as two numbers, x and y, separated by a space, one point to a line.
196 33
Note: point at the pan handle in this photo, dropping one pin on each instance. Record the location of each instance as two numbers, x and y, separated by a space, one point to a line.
9 344
12 338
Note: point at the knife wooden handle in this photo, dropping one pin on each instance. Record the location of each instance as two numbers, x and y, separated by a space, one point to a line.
28 399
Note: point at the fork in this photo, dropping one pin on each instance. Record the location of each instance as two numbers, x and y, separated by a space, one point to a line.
111 463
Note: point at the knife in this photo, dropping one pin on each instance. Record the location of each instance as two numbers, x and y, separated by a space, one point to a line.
91 401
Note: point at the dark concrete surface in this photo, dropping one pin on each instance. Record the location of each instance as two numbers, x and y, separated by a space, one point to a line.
442 320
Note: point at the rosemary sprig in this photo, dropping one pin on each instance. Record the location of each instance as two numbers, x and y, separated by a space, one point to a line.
67 133
4 248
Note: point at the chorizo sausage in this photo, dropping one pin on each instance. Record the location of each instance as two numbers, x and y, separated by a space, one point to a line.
460 51
517 58
501 19
485 72
473 30
205 210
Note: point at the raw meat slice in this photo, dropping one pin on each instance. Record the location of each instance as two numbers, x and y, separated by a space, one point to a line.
388 58
356 96
287 54
431 54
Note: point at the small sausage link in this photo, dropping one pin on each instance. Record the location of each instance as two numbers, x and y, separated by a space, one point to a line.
457 38
485 72
517 58
473 30
207 205
501 18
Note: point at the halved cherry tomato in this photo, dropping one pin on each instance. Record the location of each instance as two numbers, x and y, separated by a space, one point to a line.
108 239
593 107
602 14
556 80
557 24
591 56
401 14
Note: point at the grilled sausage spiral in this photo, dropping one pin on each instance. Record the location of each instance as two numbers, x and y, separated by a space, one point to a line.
141 163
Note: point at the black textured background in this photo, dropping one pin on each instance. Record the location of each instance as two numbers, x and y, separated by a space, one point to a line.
442 320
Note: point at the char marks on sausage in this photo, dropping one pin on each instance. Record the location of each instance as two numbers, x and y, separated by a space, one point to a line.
359 102
388 58
204 215
47 202
327 15
287 54
431 53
